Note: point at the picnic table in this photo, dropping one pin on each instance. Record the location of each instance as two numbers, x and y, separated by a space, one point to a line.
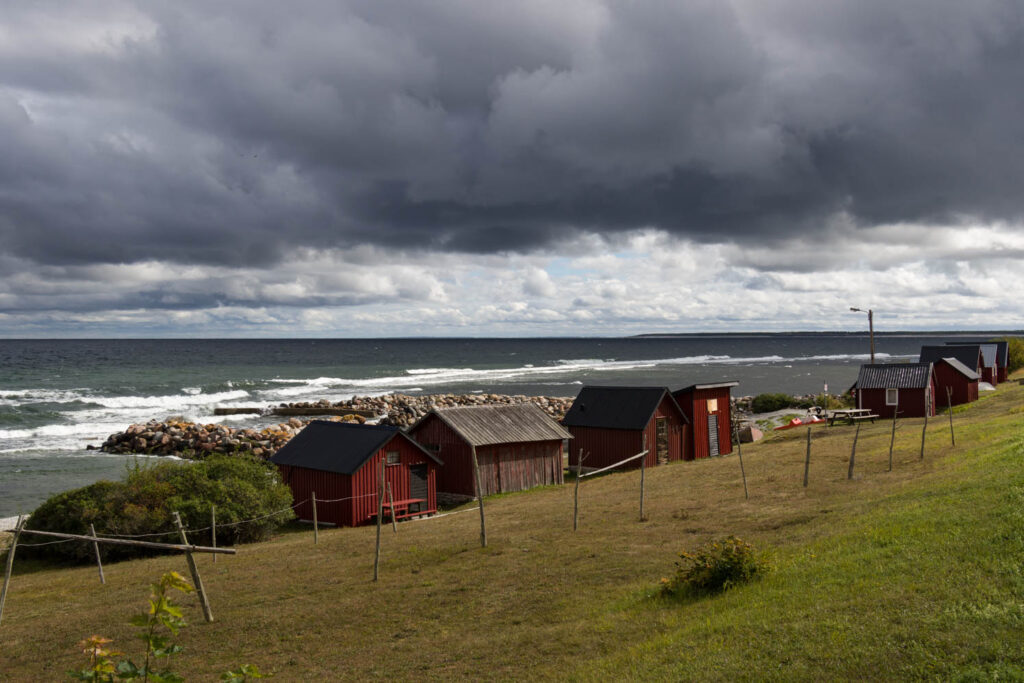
851 415
399 509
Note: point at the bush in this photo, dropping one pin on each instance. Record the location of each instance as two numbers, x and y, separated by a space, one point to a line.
767 403
715 567
241 487
1015 351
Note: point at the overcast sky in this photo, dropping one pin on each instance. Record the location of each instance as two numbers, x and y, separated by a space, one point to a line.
188 168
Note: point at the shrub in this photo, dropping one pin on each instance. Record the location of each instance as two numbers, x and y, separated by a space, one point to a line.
241 487
1015 352
714 567
767 403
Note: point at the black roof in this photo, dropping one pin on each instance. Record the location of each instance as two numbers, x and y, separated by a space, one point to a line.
966 354
989 350
617 407
1002 347
894 376
340 447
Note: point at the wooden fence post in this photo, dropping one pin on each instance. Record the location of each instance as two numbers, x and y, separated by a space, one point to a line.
807 460
479 497
96 547
739 452
213 530
10 563
923 430
391 500
194 570
316 527
853 452
644 448
576 493
380 514
949 407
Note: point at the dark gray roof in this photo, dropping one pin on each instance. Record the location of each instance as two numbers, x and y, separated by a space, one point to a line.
966 354
960 367
617 407
708 385
990 351
341 447
488 425
1002 348
894 376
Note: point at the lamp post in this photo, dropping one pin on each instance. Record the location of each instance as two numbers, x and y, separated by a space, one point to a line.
871 328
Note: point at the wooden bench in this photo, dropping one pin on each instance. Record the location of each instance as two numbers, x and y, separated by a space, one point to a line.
399 509
857 418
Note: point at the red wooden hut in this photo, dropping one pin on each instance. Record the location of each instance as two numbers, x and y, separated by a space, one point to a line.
517 447
341 462
907 387
1002 355
610 424
708 408
952 374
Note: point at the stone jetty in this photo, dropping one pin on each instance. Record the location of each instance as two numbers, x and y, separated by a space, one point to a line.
185 439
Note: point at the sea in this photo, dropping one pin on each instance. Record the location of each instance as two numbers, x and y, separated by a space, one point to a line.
59 396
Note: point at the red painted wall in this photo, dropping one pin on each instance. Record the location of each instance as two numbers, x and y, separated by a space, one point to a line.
503 467
359 488
695 405
911 402
964 390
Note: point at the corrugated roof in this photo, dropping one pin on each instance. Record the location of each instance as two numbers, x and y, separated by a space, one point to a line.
1002 348
894 376
961 368
488 425
340 447
993 354
708 385
617 407
966 354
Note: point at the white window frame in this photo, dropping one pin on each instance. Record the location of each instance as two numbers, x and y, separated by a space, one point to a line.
895 397
393 457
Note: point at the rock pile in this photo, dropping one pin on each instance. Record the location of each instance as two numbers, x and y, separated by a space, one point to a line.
191 440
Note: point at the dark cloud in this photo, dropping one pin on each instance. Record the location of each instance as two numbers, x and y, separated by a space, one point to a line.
231 133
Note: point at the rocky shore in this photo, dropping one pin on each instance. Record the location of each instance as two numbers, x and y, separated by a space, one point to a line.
184 439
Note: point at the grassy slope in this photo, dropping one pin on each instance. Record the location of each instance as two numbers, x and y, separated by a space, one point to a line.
914 573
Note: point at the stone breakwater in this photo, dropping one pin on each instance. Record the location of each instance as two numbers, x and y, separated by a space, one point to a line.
191 440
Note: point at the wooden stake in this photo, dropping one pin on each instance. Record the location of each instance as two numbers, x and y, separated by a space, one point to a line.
213 529
391 500
576 493
316 527
642 460
807 460
10 563
380 514
194 570
479 498
96 547
739 452
853 453
892 438
949 407
923 430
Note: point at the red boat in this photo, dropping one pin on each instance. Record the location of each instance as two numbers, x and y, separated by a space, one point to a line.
800 422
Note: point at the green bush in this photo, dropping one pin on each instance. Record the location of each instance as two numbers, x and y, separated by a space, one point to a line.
766 403
1016 353
714 567
242 488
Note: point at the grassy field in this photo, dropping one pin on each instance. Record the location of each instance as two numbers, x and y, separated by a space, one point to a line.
914 573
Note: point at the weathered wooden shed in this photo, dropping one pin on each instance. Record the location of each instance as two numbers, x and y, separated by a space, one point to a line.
708 408
953 373
340 460
990 359
611 423
517 447
908 387
1002 355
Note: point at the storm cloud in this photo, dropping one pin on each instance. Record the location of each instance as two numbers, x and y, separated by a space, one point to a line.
240 135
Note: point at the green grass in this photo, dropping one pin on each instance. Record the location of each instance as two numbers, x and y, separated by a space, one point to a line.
909 574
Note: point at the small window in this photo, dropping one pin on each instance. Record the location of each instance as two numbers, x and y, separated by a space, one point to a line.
712 405
394 458
892 397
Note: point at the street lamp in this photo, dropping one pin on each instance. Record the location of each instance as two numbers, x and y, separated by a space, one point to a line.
871 328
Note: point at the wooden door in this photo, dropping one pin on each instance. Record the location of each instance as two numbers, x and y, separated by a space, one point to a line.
713 435
661 439
418 486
